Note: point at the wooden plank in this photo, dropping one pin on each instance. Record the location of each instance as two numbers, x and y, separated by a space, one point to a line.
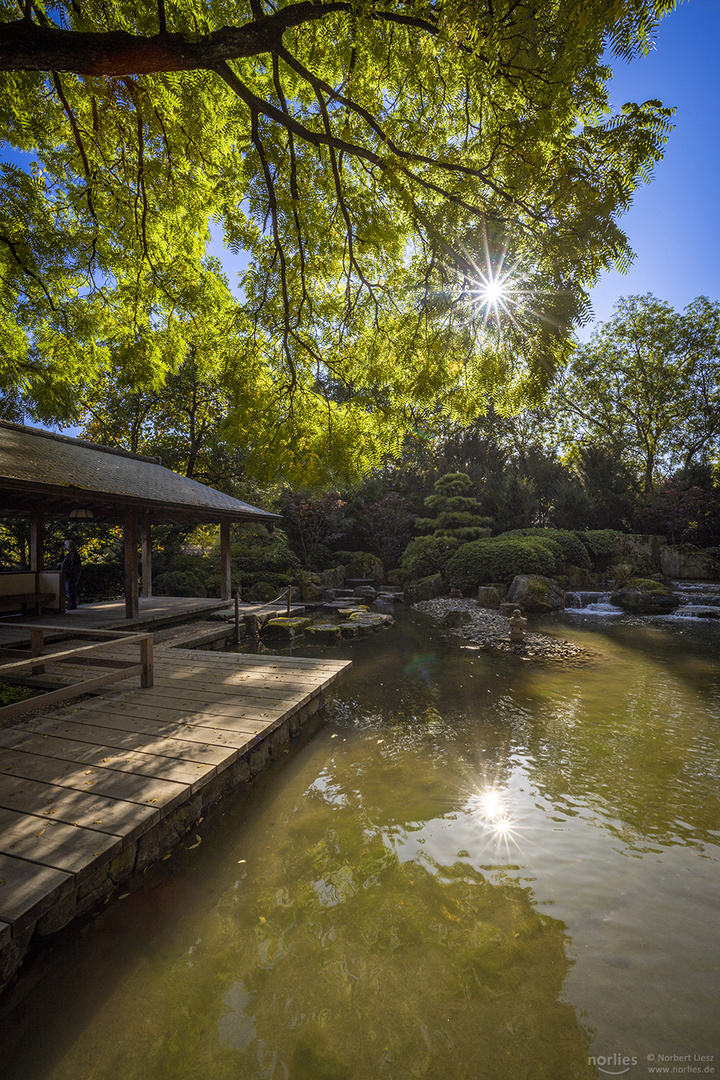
210 736
193 773
27 890
175 714
164 794
70 848
179 707
87 809
165 745
5 934
190 696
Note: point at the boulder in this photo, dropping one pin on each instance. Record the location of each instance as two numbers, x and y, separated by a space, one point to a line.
365 592
641 596
642 552
685 562
286 628
327 633
533 592
426 589
333 579
580 578
488 597
456 617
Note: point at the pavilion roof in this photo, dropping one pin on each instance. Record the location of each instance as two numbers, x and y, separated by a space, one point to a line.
61 473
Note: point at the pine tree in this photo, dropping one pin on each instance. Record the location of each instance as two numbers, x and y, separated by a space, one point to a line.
456 518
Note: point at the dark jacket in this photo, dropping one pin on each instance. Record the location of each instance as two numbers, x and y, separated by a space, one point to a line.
71 564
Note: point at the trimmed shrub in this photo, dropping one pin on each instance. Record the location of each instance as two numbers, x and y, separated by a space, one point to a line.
426 555
262 592
573 549
179 583
599 543
501 558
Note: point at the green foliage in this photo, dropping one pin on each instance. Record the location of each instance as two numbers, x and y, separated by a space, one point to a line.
500 558
361 158
179 583
598 542
101 581
646 387
573 548
9 694
456 515
259 556
365 565
386 526
313 523
427 555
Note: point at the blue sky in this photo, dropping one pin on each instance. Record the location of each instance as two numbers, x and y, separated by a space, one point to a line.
674 223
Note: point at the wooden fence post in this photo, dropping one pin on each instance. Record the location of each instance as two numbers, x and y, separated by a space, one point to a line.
146 659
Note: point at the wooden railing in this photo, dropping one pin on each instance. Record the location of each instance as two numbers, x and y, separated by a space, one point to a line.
81 654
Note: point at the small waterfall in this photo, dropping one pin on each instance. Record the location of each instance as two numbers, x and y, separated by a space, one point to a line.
699 600
590 603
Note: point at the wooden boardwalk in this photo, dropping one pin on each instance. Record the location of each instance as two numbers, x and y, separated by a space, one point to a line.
93 792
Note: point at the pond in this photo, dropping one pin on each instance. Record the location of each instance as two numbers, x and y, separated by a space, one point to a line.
477 867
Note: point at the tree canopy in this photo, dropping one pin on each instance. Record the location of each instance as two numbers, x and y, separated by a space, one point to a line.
380 161
647 386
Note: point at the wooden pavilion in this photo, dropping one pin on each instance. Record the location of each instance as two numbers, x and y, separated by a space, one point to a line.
44 475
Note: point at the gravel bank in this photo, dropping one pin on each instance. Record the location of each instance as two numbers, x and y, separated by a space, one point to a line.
488 629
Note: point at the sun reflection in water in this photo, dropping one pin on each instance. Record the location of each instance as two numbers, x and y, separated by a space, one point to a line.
490 809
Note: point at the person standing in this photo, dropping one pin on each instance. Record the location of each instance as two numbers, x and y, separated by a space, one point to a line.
72 568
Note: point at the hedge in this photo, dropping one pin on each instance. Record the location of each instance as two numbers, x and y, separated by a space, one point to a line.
501 558
573 548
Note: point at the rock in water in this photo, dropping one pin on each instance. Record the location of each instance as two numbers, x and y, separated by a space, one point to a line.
643 596
533 592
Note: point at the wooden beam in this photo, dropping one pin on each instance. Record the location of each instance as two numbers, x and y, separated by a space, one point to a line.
146 558
225 560
132 606
37 540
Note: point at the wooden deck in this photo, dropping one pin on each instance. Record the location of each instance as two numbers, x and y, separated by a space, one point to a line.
95 791
154 610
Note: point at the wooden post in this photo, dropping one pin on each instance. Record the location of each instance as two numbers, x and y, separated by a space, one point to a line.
237 617
132 606
146 659
146 558
37 644
37 552
37 541
289 600
225 592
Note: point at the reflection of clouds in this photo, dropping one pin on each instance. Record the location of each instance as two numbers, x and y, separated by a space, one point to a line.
335 887
235 1028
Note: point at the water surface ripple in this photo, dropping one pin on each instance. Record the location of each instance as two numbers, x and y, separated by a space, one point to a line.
476 868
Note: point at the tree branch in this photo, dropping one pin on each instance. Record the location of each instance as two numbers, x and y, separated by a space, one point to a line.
24 46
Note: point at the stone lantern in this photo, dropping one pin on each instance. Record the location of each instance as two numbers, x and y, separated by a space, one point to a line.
517 627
